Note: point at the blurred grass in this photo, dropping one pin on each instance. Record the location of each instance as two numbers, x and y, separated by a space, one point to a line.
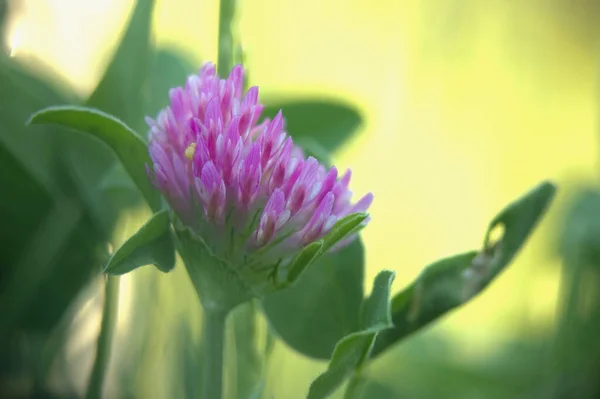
467 105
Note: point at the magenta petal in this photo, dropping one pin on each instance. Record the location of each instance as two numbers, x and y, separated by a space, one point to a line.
210 151
363 204
314 228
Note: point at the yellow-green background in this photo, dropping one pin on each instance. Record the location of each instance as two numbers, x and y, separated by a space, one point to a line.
466 105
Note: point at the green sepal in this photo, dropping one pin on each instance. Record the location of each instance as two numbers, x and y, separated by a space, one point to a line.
342 229
354 349
151 244
303 260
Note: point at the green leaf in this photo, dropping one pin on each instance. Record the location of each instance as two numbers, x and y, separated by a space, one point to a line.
576 340
323 305
40 182
120 91
37 149
3 12
518 220
117 188
353 350
376 314
330 124
117 179
168 70
152 244
450 282
303 260
580 235
22 207
437 290
129 148
343 228
312 148
36 262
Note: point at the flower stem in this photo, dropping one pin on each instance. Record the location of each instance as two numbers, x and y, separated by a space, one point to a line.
213 337
225 56
103 346
355 386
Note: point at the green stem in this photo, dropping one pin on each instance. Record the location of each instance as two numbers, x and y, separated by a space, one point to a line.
225 56
107 329
213 337
355 386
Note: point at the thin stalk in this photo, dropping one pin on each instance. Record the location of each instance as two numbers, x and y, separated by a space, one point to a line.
213 337
355 386
226 49
103 346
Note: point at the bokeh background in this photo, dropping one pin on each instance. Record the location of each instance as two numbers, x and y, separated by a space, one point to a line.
465 104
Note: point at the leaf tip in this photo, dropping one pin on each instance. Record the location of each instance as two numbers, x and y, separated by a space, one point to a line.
32 120
304 259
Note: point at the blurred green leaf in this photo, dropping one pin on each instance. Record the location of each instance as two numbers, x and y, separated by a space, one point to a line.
432 366
40 180
312 148
36 263
189 363
53 243
129 148
168 70
38 153
352 350
323 305
580 236
381 391
3 12
576 347
120 91
117 188
450 282
23 207
329 124
151 244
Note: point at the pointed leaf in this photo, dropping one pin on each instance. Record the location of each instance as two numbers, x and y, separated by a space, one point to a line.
376 311
312 148
323 305
120 91
353 350
328 123
580 235
40 180
152 244
129 148
168 70
303 260
519 219
437 290
342 229
450 282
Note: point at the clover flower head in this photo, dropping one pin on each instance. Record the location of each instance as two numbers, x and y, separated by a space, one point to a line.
238 182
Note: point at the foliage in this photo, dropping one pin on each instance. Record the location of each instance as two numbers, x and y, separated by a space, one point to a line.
67 192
